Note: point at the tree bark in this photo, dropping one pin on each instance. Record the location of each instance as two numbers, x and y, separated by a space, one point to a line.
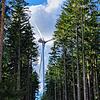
65 74
19 65
78 74
83 57
1 36
88 79
73 77
55 91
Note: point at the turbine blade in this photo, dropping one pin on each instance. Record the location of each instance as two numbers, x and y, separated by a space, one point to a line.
38 31
49 40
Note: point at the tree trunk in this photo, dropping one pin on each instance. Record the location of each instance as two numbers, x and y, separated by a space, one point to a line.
94 79
83 57
98 75
97 86
73 77
78 74
59 90
65 74
28 81
88 80
55 91
18 69
1 36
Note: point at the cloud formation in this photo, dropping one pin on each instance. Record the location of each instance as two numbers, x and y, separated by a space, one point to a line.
45 16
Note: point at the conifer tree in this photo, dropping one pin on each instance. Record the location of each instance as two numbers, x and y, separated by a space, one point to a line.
76 34
20 51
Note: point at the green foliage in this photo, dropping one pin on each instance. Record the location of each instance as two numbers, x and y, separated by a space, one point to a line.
75 49
20 50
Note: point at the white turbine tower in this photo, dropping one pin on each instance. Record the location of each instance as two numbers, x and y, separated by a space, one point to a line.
42 62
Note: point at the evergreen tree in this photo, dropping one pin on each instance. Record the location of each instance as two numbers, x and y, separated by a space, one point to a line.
20 51
76 35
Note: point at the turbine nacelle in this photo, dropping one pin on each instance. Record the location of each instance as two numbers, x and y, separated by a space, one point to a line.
41 40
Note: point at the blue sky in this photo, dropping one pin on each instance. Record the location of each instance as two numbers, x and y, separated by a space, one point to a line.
36 2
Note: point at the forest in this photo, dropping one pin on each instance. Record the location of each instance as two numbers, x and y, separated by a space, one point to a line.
74 63
18 50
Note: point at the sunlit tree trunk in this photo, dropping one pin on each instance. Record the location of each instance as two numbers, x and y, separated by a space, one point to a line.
88 81
1 35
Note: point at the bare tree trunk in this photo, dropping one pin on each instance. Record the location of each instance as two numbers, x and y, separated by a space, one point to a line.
91 82
63 92
65 74
96 77
94 80
98 74
78 74
28 81
18 69
83 58
55 91
73 77
97 86
94 86
59 90
74 95
1 36
88 79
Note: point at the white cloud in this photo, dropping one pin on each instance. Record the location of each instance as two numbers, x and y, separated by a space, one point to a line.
53 5
45 16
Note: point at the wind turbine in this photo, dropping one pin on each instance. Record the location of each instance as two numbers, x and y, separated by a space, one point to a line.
43 42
